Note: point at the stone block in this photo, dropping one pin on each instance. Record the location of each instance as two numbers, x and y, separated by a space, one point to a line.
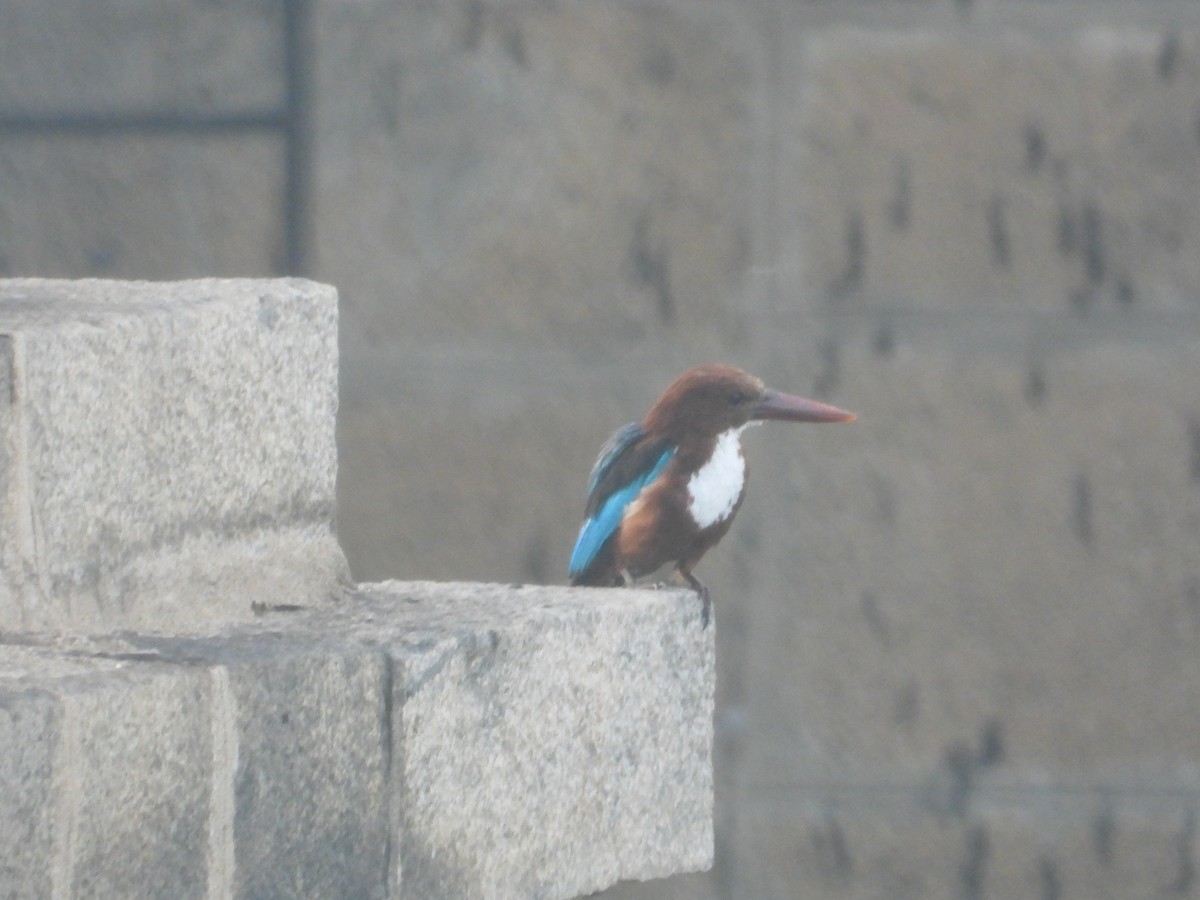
276 782
139 761
1003 170
300 792
531 767
29 733
110 775
417 740
79 206
311 799
171 450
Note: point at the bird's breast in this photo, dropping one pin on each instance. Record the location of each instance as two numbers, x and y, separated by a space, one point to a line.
715 488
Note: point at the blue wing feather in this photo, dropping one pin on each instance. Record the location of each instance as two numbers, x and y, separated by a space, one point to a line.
606 514
613 448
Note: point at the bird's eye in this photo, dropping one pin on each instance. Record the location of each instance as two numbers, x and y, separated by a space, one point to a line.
737 398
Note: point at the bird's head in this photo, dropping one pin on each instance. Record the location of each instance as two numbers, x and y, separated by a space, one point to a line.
714 398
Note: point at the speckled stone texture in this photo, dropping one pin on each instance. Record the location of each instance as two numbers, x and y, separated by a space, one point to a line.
168 451
419 740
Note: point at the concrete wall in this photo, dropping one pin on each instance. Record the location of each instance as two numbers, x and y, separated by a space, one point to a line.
956 640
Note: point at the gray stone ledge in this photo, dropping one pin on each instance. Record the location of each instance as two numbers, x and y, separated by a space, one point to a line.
418 740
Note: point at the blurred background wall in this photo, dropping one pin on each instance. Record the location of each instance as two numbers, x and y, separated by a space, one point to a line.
958 640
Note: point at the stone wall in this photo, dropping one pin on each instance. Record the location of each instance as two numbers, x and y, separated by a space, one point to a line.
194 701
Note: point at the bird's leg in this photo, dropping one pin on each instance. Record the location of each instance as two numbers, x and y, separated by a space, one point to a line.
699 587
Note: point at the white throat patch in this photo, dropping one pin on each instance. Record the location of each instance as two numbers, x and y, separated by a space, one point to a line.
714 489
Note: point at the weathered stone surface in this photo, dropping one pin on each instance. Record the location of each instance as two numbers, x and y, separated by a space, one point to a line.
1074 844
141 206
533 768
103 199
171 450
140 56
29 732
107 766
418 740
524 171
136 778
1050 172
310 793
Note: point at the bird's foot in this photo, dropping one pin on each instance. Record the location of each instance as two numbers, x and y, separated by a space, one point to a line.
702 591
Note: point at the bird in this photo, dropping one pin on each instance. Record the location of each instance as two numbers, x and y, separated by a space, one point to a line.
666 489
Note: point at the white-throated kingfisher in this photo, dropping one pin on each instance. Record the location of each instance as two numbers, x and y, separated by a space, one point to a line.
666 489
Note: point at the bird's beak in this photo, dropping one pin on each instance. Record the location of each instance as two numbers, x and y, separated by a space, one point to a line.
790 408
